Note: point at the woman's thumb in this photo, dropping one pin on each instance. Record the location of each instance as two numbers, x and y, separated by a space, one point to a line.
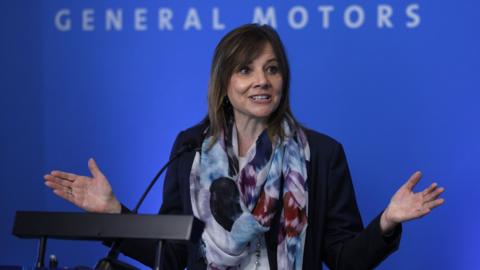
92 165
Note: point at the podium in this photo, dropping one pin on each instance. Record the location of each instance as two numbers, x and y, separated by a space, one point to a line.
104 227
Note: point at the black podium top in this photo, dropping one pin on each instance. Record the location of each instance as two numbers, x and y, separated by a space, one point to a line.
93 226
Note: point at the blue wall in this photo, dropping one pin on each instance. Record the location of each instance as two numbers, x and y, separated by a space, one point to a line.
400 99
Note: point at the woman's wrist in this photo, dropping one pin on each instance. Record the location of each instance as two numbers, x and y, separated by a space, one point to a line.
113 206
387 226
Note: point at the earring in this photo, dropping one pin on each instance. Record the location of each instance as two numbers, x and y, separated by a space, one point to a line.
226 101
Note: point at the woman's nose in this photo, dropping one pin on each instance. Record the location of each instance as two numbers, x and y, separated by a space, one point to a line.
261 80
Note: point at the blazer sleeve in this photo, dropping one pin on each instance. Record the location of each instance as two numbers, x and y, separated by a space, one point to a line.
174 255
347 245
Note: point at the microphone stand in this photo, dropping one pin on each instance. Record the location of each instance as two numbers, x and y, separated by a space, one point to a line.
111 262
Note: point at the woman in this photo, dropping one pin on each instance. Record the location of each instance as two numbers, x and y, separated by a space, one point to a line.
272 194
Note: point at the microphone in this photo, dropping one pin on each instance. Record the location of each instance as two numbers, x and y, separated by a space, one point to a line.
111 262
186 147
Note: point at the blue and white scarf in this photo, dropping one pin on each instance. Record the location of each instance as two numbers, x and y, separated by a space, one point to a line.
238 207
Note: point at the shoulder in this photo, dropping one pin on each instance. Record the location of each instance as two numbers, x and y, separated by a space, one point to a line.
193 135
317 140
324 150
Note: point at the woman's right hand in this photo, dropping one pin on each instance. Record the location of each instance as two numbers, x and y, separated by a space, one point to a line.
93 194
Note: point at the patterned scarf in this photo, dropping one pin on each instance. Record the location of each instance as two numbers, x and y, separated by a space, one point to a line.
238 207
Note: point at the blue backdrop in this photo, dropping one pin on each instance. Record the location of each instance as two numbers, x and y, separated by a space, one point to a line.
395 81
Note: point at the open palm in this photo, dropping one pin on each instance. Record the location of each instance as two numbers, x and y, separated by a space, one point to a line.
406 204
93 194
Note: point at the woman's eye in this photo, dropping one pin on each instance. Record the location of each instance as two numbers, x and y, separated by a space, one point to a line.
244 70
272 69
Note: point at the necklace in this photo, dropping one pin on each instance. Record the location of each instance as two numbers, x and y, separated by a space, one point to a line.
258 249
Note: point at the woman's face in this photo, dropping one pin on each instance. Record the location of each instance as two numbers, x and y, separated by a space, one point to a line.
255 89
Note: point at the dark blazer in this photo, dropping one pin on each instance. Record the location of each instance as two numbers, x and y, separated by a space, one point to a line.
335 233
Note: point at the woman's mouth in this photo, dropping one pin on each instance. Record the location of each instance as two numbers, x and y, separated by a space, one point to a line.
261 98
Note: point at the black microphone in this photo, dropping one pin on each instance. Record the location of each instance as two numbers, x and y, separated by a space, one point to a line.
111 262
186 147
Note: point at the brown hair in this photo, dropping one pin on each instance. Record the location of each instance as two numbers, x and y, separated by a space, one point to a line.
239 47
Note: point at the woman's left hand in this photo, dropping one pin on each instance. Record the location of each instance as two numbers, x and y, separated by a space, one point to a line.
406 204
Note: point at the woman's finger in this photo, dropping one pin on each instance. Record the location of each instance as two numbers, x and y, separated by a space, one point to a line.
432 204
58 181
434 194
429 189
92 165
64 175
55 186
413 180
